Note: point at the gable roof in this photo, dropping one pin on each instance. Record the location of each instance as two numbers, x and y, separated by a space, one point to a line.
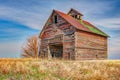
72 21
81 25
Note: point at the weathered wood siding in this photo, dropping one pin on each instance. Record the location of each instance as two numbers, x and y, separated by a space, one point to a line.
69 47
90 46
50 33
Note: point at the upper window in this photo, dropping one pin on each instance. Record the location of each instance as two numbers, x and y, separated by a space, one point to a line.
55 18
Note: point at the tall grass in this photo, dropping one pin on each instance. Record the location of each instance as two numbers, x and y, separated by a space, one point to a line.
32 69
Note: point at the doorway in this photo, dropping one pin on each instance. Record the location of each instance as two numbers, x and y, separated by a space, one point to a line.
56 50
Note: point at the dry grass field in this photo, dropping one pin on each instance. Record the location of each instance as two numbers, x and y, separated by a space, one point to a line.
32 69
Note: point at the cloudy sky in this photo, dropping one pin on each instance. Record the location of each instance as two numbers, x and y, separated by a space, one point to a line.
20 19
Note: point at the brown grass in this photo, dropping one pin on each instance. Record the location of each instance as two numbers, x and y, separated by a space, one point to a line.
32 69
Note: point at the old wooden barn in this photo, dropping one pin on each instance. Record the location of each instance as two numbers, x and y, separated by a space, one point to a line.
68 36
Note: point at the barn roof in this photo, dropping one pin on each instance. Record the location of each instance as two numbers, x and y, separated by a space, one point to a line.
81 25
72 21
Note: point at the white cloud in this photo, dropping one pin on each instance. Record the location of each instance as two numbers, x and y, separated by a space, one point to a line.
10 49
31 19
114 48
112 23
88 8
36 16
114 45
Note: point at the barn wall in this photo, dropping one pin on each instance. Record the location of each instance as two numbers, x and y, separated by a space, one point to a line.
50 32
44 48
69 47
90 46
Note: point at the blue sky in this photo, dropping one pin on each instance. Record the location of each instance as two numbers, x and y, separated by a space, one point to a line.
20 19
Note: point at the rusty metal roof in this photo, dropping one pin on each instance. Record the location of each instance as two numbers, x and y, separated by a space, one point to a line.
72 21
81 25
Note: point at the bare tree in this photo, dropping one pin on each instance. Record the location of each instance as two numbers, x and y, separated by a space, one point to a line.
30 49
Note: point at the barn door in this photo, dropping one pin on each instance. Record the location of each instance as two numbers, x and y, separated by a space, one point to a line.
56 51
